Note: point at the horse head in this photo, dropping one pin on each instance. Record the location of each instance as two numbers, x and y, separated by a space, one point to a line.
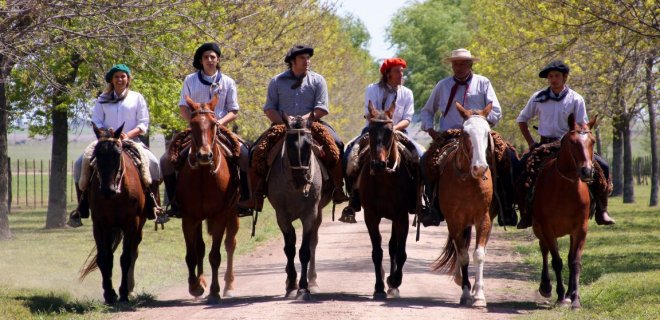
476 135
577 149
298 144
203 127
382 144
107 153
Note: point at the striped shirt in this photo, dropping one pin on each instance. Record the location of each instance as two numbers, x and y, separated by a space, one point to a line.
480 93
553 115
225 87
131 111
404 101
311 94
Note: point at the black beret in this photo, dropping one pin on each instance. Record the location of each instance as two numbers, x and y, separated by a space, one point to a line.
556 65
298 50
200 51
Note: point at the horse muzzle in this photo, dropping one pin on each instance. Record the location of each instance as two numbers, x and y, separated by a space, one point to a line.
378 166
478 172
204 158
587 174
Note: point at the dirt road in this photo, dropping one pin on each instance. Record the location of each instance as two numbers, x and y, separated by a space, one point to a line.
346 280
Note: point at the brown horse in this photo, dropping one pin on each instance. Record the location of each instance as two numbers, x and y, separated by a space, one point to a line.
207 190
561 207
465 192
388 190
118 204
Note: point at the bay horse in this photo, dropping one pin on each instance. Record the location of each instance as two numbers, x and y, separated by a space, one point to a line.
207 190
465 192
297 189
118 205
561 207
388 190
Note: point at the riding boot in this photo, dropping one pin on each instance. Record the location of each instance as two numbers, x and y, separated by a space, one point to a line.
430 214
601 216
81 211
170 189
354 205
244 190
338 194
526 212
505 189
257 194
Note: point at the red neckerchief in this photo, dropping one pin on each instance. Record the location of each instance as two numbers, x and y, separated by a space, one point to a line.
454 88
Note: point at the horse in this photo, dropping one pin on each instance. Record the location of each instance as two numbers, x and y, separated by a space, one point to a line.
388 190
207 190
561 207
118 205
465 192
297 189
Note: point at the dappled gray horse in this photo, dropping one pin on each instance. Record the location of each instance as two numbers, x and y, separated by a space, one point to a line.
297 190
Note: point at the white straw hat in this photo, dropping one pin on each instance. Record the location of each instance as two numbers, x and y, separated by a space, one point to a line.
460 54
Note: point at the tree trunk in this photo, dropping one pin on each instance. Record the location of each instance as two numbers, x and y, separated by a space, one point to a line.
628 179
56 216
617 157
5 232
653 201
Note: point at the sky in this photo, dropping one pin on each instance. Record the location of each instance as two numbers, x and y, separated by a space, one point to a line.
376 15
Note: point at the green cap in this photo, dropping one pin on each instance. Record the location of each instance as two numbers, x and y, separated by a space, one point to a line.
118 67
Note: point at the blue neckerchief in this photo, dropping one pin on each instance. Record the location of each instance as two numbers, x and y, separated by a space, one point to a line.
216 81
547 94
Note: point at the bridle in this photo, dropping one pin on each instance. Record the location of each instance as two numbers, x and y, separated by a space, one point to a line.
392 145
462 147
580 132
119 171
301 134
194 165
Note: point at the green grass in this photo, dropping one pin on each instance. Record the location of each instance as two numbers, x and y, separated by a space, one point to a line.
620 266
39 268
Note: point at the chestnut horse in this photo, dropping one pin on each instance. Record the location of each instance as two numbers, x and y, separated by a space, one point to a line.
297 190
388 190
561 207
207 190
118 204
465 192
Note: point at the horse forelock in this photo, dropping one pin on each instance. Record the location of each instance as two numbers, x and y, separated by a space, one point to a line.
478 131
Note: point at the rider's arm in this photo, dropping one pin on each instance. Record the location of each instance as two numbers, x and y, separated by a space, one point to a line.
184 111
524 129
428 111
229 117
274 116
401 125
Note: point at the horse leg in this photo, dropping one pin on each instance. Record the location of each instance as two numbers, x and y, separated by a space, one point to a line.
376 254
127 262
313 242
545 288
290 251
574 266
304 256
461 243
230 248
399 234
479 256
104 240
190 234
215 259
557 265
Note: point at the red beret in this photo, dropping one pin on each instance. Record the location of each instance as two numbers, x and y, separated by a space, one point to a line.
392 62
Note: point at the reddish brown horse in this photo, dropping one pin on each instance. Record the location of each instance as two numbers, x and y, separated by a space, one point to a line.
118 204
388 190
207 190
561 207
465 192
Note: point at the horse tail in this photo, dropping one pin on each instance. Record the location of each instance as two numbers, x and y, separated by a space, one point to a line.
92 264
447 260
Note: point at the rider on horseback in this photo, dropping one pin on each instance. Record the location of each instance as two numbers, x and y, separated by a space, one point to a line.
382 94
201 86
473 91
118 105
553 105
296 92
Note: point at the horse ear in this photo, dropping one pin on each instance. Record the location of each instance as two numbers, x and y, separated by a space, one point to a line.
372 111
97 132
486 111
390 111
119 130
593 124
213 102
192 104
571 122
462 111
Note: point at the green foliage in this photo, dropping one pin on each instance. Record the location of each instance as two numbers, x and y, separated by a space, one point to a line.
424 33
356 31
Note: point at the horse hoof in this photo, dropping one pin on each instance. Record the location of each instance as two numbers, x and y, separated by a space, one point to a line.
289 294
465 301
479 303
304 295
213 299
576 305
545 292
563 303
228 294
314 289
393 293
196 292
380 296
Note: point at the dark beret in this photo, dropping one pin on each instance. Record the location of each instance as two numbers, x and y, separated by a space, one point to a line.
200 51
556 65
298 50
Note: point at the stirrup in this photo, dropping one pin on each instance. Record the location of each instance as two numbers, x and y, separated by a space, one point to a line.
243 211
74 219
347 215
429 216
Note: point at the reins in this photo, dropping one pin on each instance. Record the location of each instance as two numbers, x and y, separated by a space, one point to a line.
119 174
195 165
573 180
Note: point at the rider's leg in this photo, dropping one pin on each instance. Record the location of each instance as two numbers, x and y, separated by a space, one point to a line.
169 178
600 189
82 210
525 212
431 214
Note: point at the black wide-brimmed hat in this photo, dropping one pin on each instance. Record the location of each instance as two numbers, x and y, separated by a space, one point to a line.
298 50
556 65
200 51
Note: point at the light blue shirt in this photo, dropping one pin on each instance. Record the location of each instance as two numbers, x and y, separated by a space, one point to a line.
553 115
132 112
312 94
480 93
404 108
225 87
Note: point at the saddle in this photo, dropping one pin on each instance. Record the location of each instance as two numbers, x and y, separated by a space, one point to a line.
136 152
180 145
360 154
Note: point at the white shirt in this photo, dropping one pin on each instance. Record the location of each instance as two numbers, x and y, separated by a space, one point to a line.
480 93
553 115
199 92
404 108
132 112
